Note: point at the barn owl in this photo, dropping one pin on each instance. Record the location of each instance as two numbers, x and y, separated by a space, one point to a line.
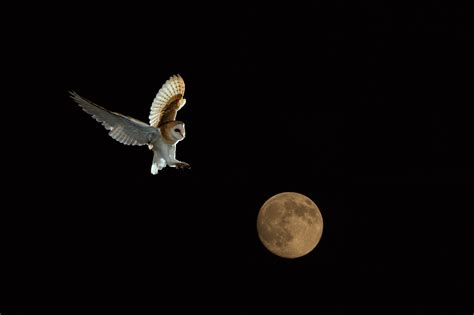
161 135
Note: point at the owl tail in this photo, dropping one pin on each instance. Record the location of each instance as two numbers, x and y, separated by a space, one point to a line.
158 163
154 165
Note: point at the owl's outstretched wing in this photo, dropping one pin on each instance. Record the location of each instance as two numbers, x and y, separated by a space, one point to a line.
168 101
124 129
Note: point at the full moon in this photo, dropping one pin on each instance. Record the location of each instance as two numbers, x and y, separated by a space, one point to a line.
289 225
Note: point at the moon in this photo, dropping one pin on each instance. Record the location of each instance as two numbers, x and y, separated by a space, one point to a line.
289 225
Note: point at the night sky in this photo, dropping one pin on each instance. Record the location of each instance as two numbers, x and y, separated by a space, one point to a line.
361 107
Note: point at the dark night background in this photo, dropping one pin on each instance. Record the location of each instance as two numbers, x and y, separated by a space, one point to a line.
364 108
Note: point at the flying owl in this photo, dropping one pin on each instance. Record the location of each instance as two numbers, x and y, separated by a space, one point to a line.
161 135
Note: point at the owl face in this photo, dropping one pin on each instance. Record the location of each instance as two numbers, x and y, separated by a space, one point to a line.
178 132
173 131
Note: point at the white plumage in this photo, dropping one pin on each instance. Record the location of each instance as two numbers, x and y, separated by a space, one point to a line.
163 133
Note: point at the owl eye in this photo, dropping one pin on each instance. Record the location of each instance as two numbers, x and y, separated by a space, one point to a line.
177 130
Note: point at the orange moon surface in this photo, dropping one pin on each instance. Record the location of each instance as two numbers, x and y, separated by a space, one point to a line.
289 225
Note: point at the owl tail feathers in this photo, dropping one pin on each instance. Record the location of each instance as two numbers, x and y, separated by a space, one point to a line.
158 163
155 164
154 168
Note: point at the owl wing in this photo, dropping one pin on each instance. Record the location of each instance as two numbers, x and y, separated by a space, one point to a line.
124 129
168 101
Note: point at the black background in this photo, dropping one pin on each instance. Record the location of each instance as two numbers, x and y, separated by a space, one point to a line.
364 108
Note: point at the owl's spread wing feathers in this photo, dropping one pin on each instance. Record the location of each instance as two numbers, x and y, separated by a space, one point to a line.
124 129
168 101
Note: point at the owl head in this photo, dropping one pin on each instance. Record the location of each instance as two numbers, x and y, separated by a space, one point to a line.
173 131
178 131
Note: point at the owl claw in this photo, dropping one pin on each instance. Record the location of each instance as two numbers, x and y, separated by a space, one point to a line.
182 165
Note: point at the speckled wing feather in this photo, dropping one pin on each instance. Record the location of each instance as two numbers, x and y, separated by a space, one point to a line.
168 101
124 129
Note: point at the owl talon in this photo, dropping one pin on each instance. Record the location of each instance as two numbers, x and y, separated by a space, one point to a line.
182 166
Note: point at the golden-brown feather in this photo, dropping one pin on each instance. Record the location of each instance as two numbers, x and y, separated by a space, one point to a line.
168 101
166 131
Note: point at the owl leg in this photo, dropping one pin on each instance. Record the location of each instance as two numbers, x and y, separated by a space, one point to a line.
173 162
179 164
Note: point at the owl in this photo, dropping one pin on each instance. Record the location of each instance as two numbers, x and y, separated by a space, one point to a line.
161 135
